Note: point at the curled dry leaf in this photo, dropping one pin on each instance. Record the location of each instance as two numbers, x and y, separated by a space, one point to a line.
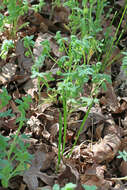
8 71
105 150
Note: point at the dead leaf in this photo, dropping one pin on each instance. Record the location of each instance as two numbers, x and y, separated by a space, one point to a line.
24 63
70 174
41 161
92 127
94 175
22 186
31 86
61 15
106 149
8 71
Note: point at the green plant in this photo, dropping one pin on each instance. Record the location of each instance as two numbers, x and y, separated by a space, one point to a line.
113 42
89 187
82 18
15 10
14 157
74 67
38 6
74 77
17 163
124 62
4 98
122 155
6 46
71 186
42 77
68 186
28 44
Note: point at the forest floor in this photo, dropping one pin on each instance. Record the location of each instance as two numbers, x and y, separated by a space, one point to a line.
95 158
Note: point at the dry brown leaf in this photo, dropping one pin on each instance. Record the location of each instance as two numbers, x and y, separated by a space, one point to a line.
106 149
24 63
47 187
70 174
31 86
22 186
61 14
41 161
94 175
8 71
123 168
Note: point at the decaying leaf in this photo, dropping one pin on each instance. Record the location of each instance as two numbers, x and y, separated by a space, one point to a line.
41 161
70 174
106 149
94 175
24 63
8 71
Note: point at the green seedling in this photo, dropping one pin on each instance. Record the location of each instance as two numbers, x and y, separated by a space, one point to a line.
15 10
82 19
89 187
73 80
71 186
123 155
4 98
20 156
28 44
38 6
42 77
15 151
113 43
124 62
68 186
6 46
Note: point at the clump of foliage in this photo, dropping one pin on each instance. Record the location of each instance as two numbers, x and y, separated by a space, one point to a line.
14 157
124 62
71 186
15 10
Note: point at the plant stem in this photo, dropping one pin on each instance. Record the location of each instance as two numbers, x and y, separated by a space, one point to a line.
114 38
15 139
65 121
60 140
86 116
81 127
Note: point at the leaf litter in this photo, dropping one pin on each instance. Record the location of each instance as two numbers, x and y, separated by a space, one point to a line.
94 160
